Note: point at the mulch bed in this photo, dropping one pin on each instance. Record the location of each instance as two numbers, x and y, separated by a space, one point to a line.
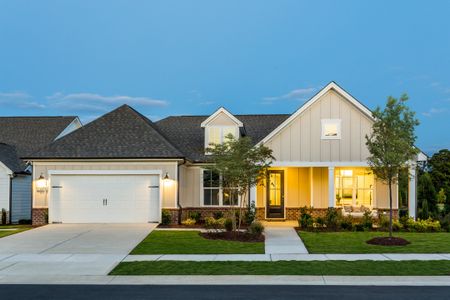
181 226
388 241
233 236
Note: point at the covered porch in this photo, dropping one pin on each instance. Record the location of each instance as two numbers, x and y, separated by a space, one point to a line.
353 188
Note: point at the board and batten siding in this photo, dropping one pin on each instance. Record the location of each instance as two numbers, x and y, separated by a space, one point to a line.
40 199
21 198
301 141
5 186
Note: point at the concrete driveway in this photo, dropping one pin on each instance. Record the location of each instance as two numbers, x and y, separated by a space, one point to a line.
69 249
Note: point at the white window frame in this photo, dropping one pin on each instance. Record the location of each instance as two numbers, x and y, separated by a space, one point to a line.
202 193
336 122
222 138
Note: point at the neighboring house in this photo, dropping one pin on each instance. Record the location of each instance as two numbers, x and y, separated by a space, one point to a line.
122 167
21 136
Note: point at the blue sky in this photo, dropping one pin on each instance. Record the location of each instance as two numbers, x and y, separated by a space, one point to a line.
190 57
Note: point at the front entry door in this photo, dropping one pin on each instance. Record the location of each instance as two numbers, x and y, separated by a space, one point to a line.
275 194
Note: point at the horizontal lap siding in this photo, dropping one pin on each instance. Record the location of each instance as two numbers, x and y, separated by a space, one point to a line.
4 189
21 198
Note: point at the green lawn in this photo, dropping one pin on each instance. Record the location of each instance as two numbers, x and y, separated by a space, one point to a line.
355 242
190 242
284 268
20 228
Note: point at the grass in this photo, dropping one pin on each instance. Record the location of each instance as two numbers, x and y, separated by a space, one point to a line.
20 228
355 242
362 268
190 242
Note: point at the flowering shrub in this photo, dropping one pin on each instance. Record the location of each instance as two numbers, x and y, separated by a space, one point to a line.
189 222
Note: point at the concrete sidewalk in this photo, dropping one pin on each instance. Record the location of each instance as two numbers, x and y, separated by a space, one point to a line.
230 280
292 257
283 240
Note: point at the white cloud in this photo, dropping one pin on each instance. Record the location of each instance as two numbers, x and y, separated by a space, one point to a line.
20 99
297 94
433 111
90 102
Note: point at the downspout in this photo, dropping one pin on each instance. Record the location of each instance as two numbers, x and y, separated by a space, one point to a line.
180 210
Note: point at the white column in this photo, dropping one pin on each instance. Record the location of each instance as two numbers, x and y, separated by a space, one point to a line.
330 186
412 197
253 195
311 186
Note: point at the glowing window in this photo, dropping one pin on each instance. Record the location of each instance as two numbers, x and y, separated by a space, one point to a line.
331 129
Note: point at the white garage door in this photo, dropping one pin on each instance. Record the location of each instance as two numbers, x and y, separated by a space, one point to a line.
104 199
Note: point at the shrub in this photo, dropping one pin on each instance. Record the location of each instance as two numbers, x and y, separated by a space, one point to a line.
213 224
367 220
218 215
195 215
358 227
383 222
332 218
423 225
24 221
346 223
445 222
250 214
320 222
256 228
166 217
305 220
189 222
4 217
228 224
396 225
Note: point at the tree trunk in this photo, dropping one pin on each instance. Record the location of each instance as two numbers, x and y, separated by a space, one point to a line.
390 208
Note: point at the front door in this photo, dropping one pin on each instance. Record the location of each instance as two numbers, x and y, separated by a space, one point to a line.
275 194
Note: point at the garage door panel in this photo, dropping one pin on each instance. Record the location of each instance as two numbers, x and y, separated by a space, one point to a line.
104 199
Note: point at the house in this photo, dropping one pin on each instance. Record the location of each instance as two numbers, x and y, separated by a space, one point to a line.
122 167
20 136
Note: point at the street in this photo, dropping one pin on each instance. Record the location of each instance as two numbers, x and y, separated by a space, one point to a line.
112 292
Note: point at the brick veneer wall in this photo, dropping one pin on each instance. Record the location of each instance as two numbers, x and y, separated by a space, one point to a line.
39 216
204 211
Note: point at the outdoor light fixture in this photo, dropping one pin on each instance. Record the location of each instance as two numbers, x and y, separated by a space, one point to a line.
41 183
166 177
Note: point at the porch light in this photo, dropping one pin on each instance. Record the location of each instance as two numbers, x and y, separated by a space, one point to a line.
166 177
41 183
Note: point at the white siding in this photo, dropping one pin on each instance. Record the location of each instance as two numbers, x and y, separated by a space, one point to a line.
21 198
4 188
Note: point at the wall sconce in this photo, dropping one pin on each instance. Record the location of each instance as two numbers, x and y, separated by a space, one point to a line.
166 177
41 184
167 181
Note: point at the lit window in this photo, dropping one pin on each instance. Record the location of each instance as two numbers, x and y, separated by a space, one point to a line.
216 195
331 129
218 134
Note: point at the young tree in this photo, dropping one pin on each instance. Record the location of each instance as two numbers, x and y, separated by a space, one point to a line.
391 143
241 166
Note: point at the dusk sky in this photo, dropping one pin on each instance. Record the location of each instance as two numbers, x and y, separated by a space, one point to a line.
190 57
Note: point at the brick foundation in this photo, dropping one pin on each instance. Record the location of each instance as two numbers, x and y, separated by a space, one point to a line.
385 212
204 211
292 213
39 216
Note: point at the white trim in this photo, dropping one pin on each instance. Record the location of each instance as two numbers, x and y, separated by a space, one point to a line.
119 161
104 172
422 156
311 186
330 86
337 122
220 188
319 164
331 197
8 170
412 197
74 125
219 111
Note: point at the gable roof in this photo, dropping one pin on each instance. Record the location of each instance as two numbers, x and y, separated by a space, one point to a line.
29 134
331 86
121 133
9 157
186 133
222 110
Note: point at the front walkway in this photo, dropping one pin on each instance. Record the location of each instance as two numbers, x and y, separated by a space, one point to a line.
281 238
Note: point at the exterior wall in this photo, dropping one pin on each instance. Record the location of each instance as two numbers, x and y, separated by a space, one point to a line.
21 198
39 216
382 195
4 188
190 186
40 199
301 140
222 120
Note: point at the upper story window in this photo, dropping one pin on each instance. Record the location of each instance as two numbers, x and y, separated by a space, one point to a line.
331 129
218 134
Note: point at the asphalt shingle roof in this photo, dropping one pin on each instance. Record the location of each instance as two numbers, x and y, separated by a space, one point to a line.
8 156
186 133
121 133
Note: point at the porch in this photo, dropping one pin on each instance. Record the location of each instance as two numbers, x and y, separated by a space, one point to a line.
354 189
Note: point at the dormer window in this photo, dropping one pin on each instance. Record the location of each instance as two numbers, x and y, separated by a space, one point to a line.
219 125
218 134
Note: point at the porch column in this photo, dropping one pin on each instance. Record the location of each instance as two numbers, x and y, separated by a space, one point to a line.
412 197
330 186
253 195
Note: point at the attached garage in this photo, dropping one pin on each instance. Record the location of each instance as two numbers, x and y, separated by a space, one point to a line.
104 197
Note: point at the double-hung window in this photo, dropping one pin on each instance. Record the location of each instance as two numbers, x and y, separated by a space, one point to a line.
214 194
218 134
